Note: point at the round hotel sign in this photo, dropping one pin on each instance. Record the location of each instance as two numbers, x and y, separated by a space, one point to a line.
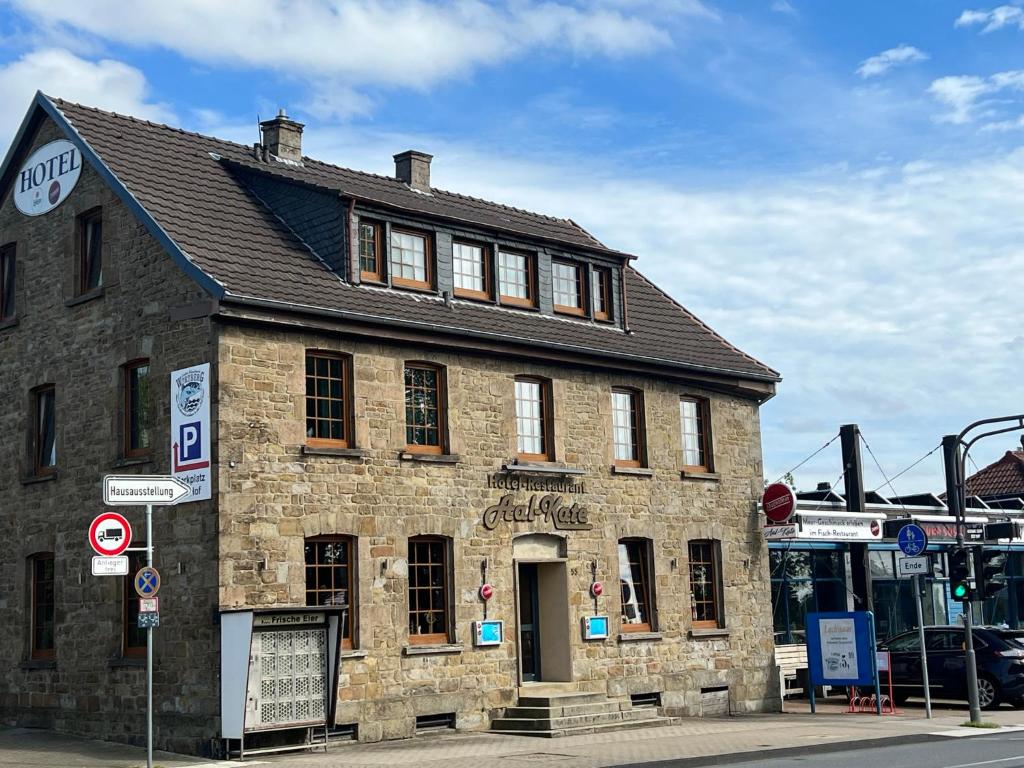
47 177
778 503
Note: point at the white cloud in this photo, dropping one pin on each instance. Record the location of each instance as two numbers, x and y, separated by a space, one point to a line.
965 95
783 6
106 84
407 43
886 60
990 21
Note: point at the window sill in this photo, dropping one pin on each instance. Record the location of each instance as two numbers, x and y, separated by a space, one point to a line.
350 453
127 662
422 288
33 479
135 461
10 322
708 634
511 304
38 664
353 654
430 458
428 650
535 468
634 471
711 477
82 298
637 637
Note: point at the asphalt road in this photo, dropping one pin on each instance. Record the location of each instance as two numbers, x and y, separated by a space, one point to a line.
1004 750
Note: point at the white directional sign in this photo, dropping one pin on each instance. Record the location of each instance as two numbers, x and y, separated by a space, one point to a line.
139 490
110 566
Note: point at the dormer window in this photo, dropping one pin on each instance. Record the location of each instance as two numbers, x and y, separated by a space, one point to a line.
410 260
370 261
470 267
601 293
567 285
516 281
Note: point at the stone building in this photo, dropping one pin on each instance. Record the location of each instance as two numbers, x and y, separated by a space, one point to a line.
414 394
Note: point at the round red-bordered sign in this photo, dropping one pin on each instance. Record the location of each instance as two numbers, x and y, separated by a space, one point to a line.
597 589
110 534
486 592
778 503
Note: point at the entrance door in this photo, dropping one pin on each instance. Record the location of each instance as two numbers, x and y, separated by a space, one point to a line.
529 622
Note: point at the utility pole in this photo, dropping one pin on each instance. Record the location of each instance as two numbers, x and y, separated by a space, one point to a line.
853 481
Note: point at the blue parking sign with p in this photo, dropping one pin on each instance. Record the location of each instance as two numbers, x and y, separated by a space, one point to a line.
190 441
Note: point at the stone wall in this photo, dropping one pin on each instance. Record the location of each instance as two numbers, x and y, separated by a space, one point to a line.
79 347
274 496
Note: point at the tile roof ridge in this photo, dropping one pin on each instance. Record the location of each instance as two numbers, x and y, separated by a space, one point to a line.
702 324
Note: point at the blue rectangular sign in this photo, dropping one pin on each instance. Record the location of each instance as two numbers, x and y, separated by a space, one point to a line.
841 648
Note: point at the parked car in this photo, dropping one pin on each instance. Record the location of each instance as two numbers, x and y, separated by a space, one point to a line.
999 655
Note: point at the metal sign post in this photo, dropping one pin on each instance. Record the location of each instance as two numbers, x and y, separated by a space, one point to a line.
149 647
924 651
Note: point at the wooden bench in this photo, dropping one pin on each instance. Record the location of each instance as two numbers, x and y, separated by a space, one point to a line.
790 659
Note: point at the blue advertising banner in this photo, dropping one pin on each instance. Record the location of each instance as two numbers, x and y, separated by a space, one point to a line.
841 648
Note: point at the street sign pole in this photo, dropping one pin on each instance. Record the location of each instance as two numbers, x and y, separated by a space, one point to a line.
924 651
149 647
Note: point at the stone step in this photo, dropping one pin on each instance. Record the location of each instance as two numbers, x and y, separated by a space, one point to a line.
554 723
608 705
562 699
583 730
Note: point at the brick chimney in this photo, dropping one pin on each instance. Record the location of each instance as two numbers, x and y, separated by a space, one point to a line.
413 168
282 137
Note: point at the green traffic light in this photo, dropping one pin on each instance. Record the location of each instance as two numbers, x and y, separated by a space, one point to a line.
960 591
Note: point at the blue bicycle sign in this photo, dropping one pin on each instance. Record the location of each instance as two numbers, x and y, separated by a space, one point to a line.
913 540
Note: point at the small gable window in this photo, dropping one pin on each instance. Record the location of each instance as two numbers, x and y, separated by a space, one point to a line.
410 260
7 273
601 293
516 280
567 287
471 268
90 249
370 261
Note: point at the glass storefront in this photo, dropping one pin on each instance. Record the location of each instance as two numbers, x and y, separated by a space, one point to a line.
805 581
1007 606
893 597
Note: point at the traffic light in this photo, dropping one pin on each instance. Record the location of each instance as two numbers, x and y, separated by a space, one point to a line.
990 569
960 574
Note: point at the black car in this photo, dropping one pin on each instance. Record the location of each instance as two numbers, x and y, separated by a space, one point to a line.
1000 663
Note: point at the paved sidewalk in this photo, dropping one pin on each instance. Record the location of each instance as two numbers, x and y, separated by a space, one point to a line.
693 742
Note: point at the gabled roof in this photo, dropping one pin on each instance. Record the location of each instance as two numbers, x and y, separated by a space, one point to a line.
186 188
1003 478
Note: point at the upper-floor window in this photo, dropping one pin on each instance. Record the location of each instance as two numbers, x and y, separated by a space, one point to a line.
7 277
330 577
471 267
424 408
371 265
705 584
136 408
133 639
44 430
430 587
533 419
627 427
567 287
693 418
516 278
601 293
636 585
43 605
328 400
90 249
410 259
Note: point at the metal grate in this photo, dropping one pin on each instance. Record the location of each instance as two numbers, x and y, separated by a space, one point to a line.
652 699
288 676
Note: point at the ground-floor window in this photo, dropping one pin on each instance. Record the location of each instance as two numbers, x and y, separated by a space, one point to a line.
329 577
1007 606
635 584
429 590
41 572
804 581
705 584
893 596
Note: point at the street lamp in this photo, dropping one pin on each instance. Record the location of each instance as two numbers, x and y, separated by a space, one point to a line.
955 462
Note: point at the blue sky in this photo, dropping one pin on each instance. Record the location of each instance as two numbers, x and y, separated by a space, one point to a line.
834 186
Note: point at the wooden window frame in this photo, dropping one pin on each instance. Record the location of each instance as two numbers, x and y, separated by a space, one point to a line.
434 638
647 575
428 261
531 280
351 542
716 583
34 651
94 214
378 237
38 468
547 419
640 428
347 410
8 281
703 435
581 291
128 451
442 409
128 596
602 276
485 257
